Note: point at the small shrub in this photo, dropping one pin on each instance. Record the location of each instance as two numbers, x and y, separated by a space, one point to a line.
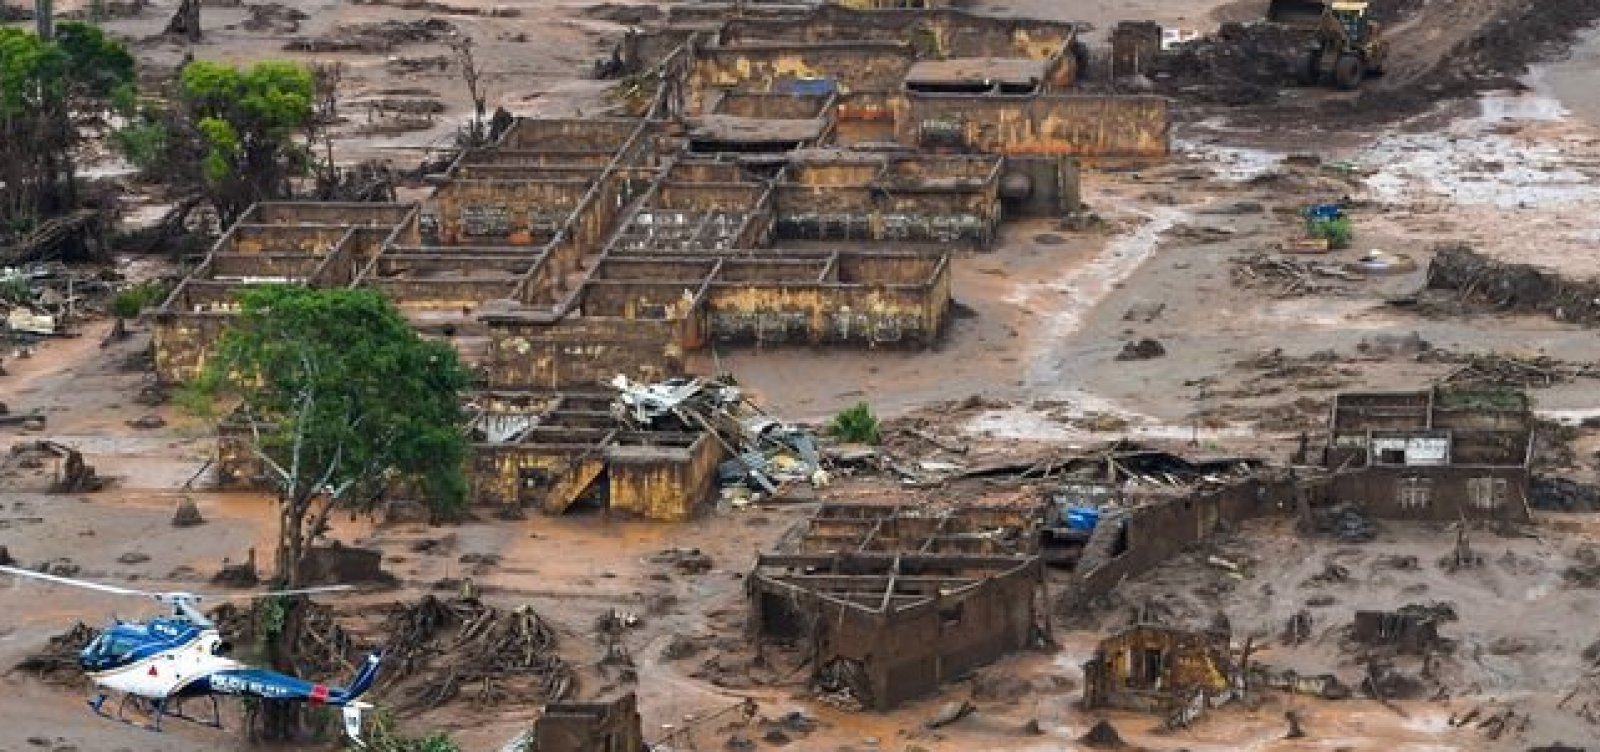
382 737
856 424
128 303
1337 231
15 290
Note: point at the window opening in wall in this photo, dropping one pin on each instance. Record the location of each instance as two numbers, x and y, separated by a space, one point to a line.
1415 493
1150 666
1486 493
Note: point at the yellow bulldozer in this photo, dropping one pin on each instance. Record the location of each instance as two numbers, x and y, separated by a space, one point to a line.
1349 46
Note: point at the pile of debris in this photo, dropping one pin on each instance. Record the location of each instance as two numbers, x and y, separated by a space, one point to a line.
1501 370
57 663
439 650
1462 279
274 18
765 451
1287 278
380 37
70 473
1563 495
1345 522
1241 64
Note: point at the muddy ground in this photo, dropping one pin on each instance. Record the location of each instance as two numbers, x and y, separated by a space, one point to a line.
1188 254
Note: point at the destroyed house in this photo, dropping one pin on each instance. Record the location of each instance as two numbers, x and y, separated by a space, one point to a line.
932 78
1153 668
1118 486
589 727
1446 453
779 183
891 603
554 451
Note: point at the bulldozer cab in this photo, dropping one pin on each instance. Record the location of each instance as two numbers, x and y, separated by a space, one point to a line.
1352 16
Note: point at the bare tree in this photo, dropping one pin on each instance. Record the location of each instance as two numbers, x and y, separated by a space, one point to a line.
185 21
44 18
476 132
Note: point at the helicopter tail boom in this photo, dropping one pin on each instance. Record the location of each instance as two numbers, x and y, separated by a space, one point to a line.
365 676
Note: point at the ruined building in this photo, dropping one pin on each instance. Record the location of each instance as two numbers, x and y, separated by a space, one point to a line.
1442 454
1153 668
887 603
786 176
589 727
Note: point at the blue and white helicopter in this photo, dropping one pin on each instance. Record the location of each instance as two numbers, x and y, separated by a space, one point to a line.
163 661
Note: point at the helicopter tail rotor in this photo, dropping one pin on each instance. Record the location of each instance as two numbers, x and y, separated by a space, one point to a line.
352 722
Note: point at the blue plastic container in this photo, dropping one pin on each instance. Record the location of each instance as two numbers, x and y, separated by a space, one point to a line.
1082 518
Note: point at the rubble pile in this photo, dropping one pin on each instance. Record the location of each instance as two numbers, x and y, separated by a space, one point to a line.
379 37
1345 522
70 473
274 18
440 650
1241 64
1563 495
765 451
1502 370
1461 279
1288 278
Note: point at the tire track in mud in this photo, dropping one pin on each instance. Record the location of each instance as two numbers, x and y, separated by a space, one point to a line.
1060 307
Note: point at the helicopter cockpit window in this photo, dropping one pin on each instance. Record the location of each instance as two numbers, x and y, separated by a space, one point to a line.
111 646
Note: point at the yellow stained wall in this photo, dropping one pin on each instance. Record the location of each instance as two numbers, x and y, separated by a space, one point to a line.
1111 126
497 470
182 342
665 489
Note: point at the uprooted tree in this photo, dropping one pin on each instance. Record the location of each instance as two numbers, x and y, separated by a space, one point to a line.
348 402
46 88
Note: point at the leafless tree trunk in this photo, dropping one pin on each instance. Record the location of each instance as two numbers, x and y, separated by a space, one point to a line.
186 21
472 75
44 18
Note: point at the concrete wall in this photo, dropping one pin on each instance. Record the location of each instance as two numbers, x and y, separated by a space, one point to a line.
182 342
1093 126
1151 534
526 211
907 652
1450 495
870 314
924 646
1190 661
662 483
854 67
582 352
589 727
943 34
498 469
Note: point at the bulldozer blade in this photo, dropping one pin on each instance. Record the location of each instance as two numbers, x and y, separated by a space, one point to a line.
1296 12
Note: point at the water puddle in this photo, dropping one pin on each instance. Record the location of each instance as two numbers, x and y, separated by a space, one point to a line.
1475 163
1031 423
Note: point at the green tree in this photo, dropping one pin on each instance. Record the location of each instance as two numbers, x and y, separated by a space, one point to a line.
355 400
229 132
42 85
248 119
346 399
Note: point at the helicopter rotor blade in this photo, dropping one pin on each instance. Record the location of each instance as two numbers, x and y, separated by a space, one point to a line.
275 593
85 584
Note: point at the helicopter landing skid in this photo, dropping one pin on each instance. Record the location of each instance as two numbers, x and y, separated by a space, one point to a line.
157 710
